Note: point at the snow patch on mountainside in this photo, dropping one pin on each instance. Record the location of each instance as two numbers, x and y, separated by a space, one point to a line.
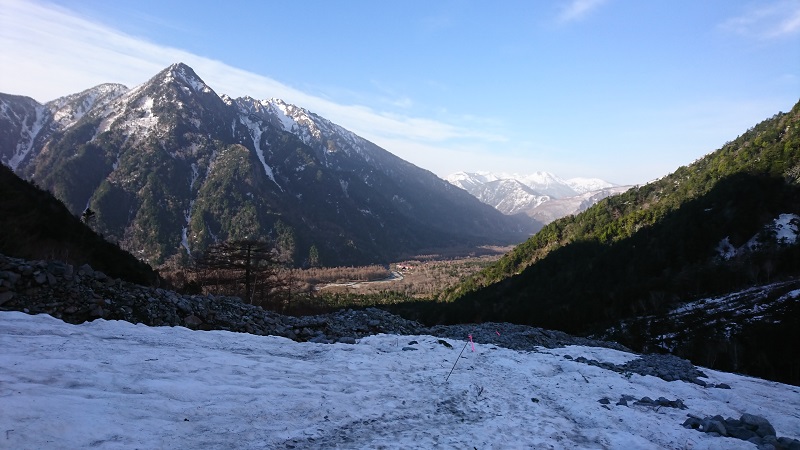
68 110
30 128
730 302
787 227
187 214
255 133
727 314
145 119
783 231
140 118
281 112
317 132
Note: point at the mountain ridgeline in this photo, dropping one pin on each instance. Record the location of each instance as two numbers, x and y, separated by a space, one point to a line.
542 196
170 167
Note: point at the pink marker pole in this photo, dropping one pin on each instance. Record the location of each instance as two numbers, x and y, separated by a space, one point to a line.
470 341
498 333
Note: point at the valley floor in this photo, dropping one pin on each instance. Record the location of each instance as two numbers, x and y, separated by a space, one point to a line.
112 384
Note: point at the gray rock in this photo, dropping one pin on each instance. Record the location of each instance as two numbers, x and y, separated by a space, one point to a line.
715 426
58 268
751 428
760 425
742 433
6 296
692 423
346 340
96 311
770 439
86 270
445 343
789 443
192 321
183 305
12 277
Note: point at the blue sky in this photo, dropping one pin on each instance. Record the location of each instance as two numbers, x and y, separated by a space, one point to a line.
624 90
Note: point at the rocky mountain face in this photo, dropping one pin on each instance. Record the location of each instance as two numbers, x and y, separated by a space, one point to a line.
542 196
170 167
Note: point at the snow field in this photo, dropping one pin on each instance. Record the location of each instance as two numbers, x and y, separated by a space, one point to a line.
111 384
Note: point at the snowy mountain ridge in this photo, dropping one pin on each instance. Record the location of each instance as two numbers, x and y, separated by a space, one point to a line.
542 196
545 183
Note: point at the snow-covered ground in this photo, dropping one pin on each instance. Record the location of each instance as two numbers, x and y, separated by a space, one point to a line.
109 384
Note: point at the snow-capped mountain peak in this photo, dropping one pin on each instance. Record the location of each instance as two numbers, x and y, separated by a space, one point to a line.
584 185
541 195
184 74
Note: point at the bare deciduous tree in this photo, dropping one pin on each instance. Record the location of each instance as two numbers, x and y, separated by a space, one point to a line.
252 264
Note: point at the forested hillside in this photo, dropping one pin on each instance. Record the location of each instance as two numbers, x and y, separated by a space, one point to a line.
651 246
769 152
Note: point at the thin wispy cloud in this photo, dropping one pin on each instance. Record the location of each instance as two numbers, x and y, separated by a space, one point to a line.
578 9
773 20
49 52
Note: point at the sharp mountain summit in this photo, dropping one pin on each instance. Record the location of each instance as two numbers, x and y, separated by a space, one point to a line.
170 167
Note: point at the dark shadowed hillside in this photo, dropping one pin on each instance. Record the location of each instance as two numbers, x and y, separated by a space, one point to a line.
35 225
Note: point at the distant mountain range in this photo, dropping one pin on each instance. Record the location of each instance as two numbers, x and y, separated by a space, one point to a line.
542 196
170 167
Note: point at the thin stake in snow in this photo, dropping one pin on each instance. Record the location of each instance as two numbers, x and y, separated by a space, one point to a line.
459 357
473 344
